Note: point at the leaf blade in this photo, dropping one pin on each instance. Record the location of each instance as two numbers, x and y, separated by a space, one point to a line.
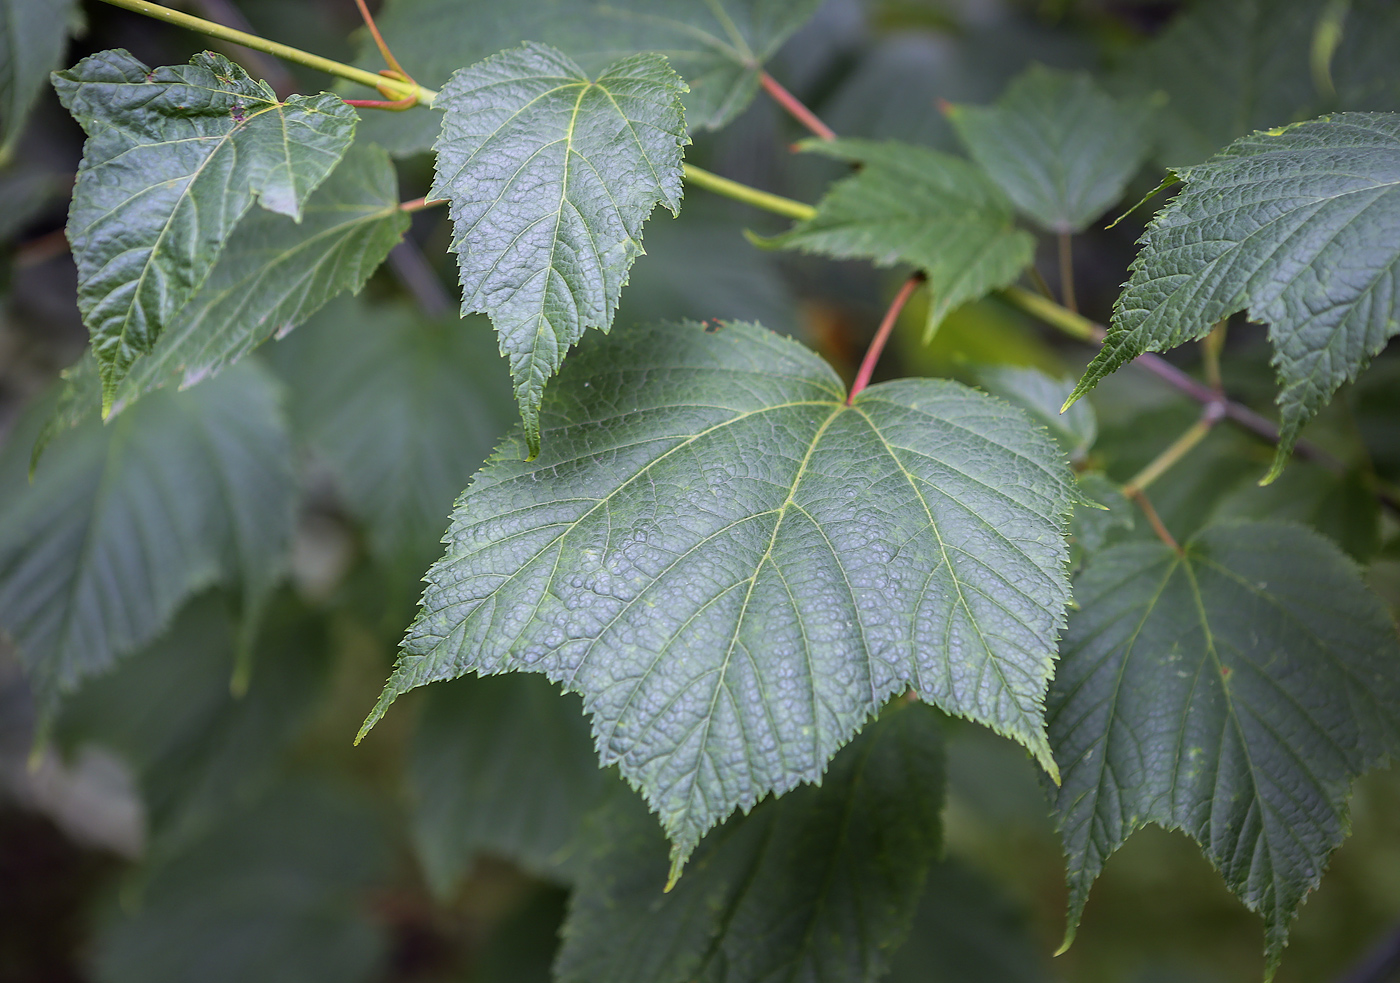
1232 692
681 679
543 276
174 158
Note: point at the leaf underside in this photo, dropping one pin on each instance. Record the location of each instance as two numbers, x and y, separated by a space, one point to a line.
124 522
717 46
818 885
1298 227
736 569
174 158
913 205
550 176
1059 146
1232 692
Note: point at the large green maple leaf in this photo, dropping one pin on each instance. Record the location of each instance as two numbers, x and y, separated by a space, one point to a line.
1300 227
736 568
174 158
1231 691
550 175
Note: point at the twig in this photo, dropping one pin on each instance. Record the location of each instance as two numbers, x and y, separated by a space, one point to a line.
752 196
269 69
1066 250
1154 520
794 106
388 86
882 335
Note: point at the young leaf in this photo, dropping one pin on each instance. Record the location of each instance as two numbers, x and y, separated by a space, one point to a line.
124 522
32 36
550 176
1233 692
912 205
274 893
1301 228
820 884
402 409
501 763
717 46
174 158
736 569
1060 147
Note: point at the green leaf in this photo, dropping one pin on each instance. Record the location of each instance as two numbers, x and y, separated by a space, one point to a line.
174 158
273 275
1041 396
911 205
736 569
550 176
504 764
1299 227
124 522
195 748
1094 528
403 409
274 893
717 46
1060 147
820 884
32 37
1233 692
1228 67
967 931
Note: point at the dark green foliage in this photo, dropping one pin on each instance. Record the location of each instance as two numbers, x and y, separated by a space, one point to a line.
1232 691
32 34
503 764
1298 227
123 523
820 884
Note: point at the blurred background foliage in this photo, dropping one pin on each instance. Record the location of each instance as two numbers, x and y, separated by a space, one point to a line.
169 831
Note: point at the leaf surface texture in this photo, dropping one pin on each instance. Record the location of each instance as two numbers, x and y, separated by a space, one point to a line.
1232 692
736 569
1300 228
550 176
174 158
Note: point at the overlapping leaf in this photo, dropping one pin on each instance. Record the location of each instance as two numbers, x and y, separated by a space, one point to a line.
273 274
174 158
1232 691
736 569
913 205
818 885
550 176
1298 227
124 522
404 409
717 46
1060 147
503 764
32 35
